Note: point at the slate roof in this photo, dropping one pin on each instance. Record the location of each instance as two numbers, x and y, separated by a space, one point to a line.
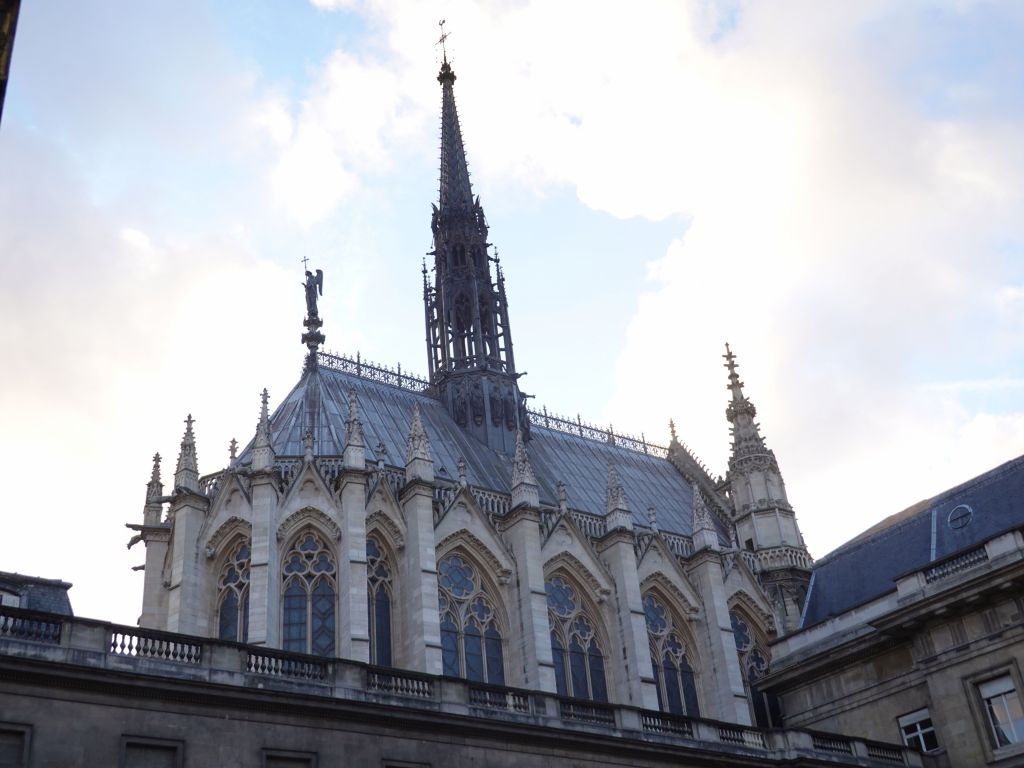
321 399
867 567
48 595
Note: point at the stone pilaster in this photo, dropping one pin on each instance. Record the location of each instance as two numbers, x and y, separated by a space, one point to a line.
264 567
722 683
420 647
188 512
352 625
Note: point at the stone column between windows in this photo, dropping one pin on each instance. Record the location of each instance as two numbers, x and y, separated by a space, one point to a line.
188 510
530 648
264 567
634 679
420 645
353 624
721 678
154 597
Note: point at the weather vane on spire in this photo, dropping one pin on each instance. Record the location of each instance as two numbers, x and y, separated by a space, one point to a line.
441 40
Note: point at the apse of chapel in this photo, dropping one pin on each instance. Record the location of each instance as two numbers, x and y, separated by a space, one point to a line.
308 517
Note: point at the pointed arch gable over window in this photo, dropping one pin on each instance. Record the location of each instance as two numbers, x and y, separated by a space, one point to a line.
380 600
671 657
233 593
472 638
578 653
310 595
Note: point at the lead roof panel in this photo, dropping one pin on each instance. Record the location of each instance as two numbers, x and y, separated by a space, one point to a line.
321 399
868 567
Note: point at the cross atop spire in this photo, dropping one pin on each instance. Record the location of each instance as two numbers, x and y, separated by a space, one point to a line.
441 40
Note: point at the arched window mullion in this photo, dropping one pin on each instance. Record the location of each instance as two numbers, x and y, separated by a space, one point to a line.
575 649
472 645
233 595
309 597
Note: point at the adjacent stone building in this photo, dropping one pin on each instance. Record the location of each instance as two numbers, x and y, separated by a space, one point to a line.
915 630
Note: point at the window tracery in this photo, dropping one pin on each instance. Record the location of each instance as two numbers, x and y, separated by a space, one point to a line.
233 595
673 674
575 649
471 640
753 666
310 597
379 600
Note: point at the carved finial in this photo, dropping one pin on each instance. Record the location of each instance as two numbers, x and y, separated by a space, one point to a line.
262 452
563 497
418 447
381 452
307 444
460 467
524 482
730 364
232 451
652 517
672 430
442 39
186 475
616 496
155 488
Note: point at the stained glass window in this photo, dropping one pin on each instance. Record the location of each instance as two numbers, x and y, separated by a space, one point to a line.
379 594
673 674
753 666
310 597
233 595
579 661
471 640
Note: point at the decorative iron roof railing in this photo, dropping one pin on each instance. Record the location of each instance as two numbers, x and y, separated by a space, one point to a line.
541 418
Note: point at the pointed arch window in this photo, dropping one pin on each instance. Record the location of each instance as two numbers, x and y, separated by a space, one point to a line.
233 595
471 639
753 666
673 673
379 600
579 660
310 596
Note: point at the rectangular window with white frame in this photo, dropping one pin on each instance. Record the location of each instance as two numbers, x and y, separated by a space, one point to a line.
1001 703
917 731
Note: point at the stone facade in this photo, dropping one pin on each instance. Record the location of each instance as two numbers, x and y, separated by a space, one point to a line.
936 659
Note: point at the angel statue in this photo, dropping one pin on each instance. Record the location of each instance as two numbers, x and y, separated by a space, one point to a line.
314 286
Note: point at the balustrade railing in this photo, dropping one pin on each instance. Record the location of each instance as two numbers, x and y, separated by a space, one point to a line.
746 737
591 525
262 662
499 698
23 625
145 644
836 745
666 724
61 639
885 752
399 683
681 546
587 712
956 564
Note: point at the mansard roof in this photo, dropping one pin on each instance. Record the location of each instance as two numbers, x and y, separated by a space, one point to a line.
385 409
958 519
37 594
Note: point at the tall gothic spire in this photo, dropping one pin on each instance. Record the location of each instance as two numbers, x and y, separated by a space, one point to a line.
469 344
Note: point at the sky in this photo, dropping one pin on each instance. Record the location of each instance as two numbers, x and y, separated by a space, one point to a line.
836 189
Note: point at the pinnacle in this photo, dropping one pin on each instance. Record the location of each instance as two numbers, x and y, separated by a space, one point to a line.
418 446
353 426
616 497
522 471
186 474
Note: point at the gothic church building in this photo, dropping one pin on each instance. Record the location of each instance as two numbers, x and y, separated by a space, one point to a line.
441 526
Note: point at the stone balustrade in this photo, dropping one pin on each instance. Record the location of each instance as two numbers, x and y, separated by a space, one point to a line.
94 645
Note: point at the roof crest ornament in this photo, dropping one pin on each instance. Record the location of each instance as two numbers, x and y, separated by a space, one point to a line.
418 446
155 488
616 497
353 426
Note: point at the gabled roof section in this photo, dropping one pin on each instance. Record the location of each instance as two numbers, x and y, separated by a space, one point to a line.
319 402
37 594
962 517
